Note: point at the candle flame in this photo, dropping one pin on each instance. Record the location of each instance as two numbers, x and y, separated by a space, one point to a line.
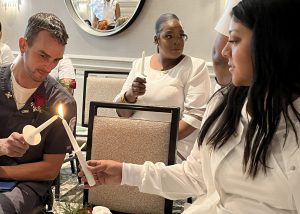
60 111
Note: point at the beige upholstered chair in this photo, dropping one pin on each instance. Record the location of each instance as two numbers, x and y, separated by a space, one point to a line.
101 86
133 141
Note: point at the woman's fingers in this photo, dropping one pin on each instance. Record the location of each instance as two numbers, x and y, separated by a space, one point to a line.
138 88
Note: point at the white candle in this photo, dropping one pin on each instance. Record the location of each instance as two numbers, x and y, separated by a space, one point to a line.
143 64
70 135
43 126
89 176
87 173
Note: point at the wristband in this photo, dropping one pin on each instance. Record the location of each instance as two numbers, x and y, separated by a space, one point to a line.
124 100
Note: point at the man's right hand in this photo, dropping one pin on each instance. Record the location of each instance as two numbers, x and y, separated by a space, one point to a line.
104 171
13 146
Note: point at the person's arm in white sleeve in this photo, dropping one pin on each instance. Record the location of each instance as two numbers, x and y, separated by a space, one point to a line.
197 92
6 54
66 69
178 181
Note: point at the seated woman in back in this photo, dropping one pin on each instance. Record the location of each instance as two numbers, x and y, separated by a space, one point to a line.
64 73
6 56
172 79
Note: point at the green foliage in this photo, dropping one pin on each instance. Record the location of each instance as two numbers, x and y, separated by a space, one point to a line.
75 208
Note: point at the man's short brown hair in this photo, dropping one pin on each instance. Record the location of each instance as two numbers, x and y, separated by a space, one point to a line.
48 22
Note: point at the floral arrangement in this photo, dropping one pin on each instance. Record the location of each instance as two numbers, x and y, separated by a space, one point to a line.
67 85
73 208
102 24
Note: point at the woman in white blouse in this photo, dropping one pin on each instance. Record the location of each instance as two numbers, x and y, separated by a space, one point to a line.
171 79
247 159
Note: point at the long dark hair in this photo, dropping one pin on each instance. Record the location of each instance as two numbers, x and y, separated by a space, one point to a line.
276 82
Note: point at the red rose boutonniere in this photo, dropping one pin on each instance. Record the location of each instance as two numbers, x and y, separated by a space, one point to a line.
39 100
39 103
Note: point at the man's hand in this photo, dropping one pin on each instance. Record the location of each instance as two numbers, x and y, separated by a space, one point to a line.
104 171
13 146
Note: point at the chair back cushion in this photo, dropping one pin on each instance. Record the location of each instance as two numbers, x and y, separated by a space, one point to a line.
101 89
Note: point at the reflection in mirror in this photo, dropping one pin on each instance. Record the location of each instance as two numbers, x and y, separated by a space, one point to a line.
104 17
104 14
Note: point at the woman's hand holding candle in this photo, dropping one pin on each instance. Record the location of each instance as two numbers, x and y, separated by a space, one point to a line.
138 86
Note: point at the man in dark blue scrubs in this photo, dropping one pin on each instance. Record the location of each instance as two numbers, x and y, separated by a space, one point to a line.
29 96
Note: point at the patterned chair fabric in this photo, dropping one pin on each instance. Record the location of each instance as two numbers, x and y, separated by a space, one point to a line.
101 86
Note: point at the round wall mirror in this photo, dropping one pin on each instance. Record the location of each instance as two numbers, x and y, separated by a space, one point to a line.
104 17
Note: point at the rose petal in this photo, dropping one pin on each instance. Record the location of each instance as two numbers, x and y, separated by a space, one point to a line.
72 84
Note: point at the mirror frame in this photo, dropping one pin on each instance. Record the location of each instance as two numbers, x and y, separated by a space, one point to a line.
91 31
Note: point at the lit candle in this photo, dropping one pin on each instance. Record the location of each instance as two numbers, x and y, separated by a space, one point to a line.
87 173
143 64
71 136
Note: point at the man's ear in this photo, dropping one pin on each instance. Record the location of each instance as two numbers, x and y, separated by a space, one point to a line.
22 44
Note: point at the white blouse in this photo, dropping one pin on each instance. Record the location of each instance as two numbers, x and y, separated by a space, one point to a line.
64 69
217 180
6 55
187 85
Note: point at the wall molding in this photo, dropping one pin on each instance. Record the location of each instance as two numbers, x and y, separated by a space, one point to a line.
86 62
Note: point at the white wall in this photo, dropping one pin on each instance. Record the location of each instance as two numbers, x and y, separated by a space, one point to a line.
198 18
117 52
